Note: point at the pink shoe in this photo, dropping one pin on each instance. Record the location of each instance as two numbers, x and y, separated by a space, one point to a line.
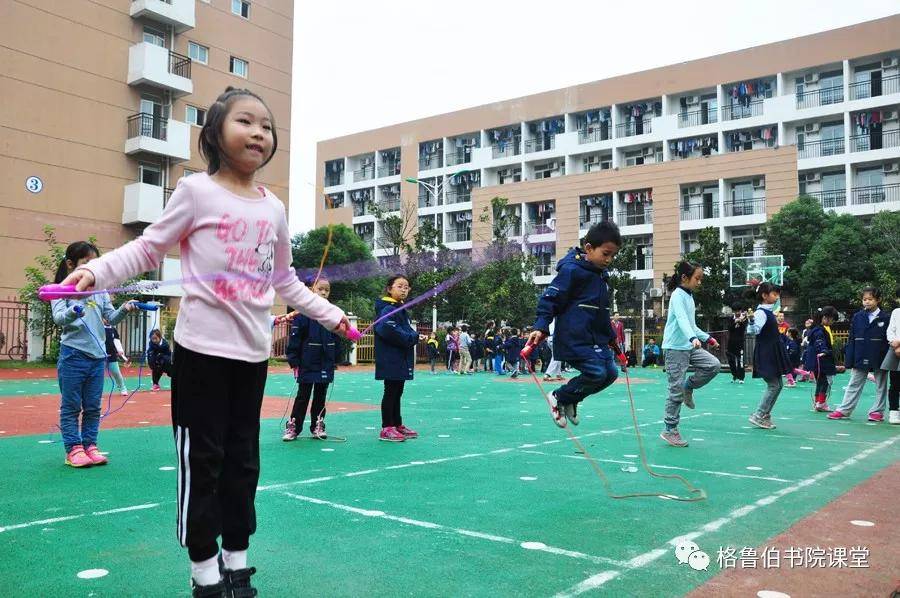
408 433
94 455
870 377
838 415
155 387
290 431
822 407
876 417
78 458
391 434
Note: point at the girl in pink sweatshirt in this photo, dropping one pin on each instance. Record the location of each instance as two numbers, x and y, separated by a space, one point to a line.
235 254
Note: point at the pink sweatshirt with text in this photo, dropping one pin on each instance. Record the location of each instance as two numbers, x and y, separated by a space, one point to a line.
220 232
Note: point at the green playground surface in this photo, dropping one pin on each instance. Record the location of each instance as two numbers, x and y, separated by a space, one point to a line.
491 499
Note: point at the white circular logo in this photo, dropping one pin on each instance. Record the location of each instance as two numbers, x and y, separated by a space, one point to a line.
34 184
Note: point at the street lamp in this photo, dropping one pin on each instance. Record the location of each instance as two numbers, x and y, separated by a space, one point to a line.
435 189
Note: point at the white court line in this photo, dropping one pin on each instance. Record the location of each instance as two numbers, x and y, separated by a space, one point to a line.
541 547
654 465
596 581
71 517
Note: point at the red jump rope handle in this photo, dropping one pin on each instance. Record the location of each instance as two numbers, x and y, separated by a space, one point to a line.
526 351
49 292
353 334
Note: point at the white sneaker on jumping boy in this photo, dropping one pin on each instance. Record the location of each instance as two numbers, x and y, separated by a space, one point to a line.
570 410
556 411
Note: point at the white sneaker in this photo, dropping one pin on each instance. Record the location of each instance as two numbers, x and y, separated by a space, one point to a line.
556 412
894 417
571 412
124 392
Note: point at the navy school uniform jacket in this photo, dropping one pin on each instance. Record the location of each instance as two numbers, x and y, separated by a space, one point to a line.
512 347
159 354
770 356
312 349
819 342
793 350
867 344
578 299
394 342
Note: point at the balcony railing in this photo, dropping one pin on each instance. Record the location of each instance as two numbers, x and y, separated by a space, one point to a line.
875 141
876 194
697 117
543 269
537 228
873 89
588 221
145 124
540 145
835 198
167 193
387 170
820 97
626 218
179 64
643 262
334 179
510 148
634 127
459 156
594 134
738 111
700 211
458 196
390 205
454 235
431 161
364 173
745 207
818 149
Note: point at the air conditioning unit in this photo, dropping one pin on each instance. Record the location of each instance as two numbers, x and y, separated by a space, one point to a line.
655 292
693 99
648 151
889 62
811 78
812 177
889 115
759 183
891 168
812 127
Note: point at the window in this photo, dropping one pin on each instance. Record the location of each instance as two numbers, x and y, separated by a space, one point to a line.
154 36
150 174
195 116
872 177
241 8
239 67
748 242
198 53
690 242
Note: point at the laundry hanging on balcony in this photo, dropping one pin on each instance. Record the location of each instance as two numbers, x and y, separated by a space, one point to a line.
466 179
685 147
744 92
504 136
463 217
638 196
545 207
541 249
426 150
336 166
743 140
864 120
361 195
553 126
602 201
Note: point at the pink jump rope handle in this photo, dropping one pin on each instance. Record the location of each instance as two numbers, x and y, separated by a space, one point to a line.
526 351
353 334
49 292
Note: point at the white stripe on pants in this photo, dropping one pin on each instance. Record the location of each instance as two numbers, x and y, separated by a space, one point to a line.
183 446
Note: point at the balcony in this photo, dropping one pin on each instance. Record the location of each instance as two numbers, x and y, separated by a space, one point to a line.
332 179
594 133
875 141
390 204
177 13
876 194
634 127
159 136
874 88
585 221
699 211
629 218
697 118
365 173
541 144
836 198
143 204
819 149
739 111
387 170
821 97
543 269
745 207
537 228
458 196
455 235
427 162
507 149
149 64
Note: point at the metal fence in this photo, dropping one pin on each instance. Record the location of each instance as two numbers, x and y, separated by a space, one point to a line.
13 329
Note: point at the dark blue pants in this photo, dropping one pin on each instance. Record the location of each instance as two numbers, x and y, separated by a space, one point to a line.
596 373
81 386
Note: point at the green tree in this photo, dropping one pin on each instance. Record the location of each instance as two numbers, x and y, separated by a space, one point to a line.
36 276
621 281
713 255
792 232
884 251
355 296
837 267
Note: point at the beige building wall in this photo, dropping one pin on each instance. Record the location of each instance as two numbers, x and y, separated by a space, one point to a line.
63 71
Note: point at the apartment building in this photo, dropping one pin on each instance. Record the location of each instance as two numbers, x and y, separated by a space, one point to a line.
103 103
724 141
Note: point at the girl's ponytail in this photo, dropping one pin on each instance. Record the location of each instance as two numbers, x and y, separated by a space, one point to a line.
682 268
74 252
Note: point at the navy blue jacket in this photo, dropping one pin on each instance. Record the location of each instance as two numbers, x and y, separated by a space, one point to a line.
867 344
476 349
159 354
578 299
512 346
819 342
394 342
793 350
770 357
311 348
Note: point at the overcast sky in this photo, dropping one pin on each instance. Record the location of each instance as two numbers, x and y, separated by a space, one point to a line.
361 64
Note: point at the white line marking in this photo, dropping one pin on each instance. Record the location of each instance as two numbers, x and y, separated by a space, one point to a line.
71 517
